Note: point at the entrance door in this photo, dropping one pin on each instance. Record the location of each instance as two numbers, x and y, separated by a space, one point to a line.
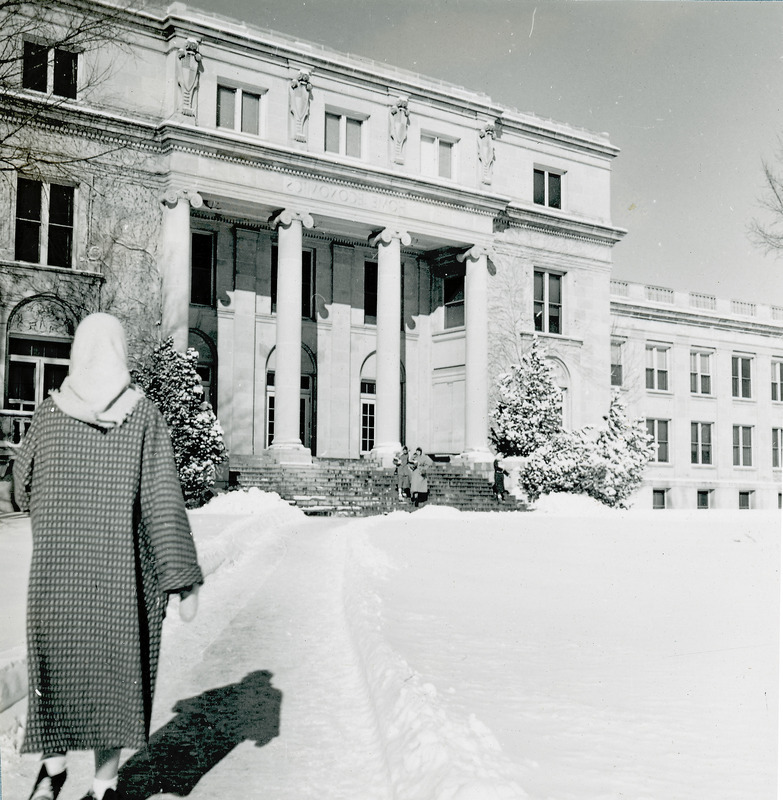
305 410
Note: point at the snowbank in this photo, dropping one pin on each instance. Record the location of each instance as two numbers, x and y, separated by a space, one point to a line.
251 501
431 753
572 505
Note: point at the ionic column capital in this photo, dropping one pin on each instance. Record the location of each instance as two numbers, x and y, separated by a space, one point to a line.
171 197
286 216
475 253
386 235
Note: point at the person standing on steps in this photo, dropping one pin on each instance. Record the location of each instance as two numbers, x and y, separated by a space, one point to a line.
419 467
499 487
403 473
111 543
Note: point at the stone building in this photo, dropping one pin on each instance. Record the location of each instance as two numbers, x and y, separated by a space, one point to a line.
707 376
355 250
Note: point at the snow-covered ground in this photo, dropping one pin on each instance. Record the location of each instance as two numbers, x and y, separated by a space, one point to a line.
571 652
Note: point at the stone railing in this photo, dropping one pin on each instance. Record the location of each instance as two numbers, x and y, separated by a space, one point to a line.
644 293
659 294
706 301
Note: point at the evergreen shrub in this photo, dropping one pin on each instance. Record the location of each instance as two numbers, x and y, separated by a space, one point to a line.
170 380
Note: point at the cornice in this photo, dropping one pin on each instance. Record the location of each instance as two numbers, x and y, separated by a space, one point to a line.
314 166
107 126
43 269
683 317
516 217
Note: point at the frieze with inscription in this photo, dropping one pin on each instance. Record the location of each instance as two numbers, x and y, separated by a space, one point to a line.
344 195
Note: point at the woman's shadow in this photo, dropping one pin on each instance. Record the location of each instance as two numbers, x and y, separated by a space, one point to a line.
203 732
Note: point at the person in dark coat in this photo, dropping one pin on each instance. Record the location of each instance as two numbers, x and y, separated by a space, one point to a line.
419 466
499 487
111 542
403 472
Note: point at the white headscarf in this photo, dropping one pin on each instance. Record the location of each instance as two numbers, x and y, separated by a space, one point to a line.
98 387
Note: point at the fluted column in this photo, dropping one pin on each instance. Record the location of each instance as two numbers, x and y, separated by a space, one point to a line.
174 264
387 349
287 445
476 354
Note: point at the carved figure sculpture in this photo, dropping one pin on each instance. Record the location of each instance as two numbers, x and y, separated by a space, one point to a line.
300 94
486 151
189 68
399 120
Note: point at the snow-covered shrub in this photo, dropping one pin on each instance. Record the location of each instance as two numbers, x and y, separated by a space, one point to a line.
528 412
606 463
170 380
624 448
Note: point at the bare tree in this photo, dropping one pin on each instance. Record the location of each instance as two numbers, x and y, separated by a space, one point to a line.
39 43
768 233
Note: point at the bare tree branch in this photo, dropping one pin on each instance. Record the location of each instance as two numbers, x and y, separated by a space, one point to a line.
73 26
768 233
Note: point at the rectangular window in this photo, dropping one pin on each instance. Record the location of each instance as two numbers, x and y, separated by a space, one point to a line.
343 135
238 110
701 443
740 376
202 268
777 381
437 156
703 498
701 372
35 367
743 445
370 292
547 301
616 359
49 69
657 370
659 499
308 282
44 223
35 65
659 430
454 301
745 501
64 73
547 188
777 448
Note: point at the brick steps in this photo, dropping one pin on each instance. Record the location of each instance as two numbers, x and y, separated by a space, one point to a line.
349 487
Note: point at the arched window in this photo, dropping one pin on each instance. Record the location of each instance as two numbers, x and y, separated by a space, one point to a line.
306 400
207 364
38 348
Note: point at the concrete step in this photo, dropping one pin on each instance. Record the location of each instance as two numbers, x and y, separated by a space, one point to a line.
356 487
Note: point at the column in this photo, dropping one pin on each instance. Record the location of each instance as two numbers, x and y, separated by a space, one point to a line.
387 349
287 445
174 265
476 355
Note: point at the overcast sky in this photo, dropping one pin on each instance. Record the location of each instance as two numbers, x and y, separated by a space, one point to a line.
689 91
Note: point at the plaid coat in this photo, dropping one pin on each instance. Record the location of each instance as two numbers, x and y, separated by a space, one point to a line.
111 539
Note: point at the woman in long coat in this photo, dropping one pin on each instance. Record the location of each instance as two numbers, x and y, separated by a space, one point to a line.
111 542
403 473
419 466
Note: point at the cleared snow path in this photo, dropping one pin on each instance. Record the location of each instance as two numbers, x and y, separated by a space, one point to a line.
267 672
